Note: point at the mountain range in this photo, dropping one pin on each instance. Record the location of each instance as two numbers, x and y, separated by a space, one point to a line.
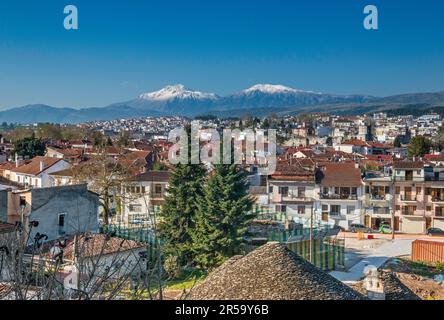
259 100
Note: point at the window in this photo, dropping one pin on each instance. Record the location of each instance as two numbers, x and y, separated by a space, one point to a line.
281 208
301 209
354 191
283 191
398 190
62 219
270 189
325 190
397 208
135 208
22 201
387 190
301 192
158 188
61 223
418 172
350 209
335 209
429 208
143 189
138 189
367 189
263 180
428 191
418 190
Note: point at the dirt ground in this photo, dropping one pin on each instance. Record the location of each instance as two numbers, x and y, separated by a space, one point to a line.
417 277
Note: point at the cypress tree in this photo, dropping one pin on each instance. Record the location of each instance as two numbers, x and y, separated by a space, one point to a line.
178 213
223 214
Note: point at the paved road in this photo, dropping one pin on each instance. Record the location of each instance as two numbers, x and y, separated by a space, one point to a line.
377 258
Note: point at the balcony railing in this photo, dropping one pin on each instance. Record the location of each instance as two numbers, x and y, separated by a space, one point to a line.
408 198
157 194
337 216
378 197
339 196
413 179
439 214
437 199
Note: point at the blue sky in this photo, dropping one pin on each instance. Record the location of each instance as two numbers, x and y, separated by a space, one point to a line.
124 48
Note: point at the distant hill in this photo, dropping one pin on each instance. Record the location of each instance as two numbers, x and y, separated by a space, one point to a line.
259 100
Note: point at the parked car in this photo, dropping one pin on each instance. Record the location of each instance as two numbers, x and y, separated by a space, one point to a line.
435 232
385 228
356 227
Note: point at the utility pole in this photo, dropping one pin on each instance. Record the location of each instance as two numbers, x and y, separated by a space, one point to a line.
311 233
393 212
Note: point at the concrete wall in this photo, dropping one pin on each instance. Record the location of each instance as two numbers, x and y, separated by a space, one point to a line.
78 204
3 205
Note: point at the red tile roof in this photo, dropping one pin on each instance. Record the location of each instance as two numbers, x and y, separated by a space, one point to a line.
6 227
33 168
434 157
356 142
408 164
340 175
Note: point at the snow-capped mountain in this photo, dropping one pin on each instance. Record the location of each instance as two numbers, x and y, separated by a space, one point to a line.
177 91
272 89
174 100
279 96
179 100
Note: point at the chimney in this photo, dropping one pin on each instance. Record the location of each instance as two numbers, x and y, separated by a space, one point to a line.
17 161
373 283
42 166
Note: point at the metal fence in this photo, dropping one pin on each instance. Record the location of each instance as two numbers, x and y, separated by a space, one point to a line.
428 251
140 234
269 214
328 251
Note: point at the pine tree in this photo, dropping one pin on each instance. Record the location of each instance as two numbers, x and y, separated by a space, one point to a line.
178 213
223 213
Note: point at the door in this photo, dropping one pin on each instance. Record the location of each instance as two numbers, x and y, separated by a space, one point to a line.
428 223
367 221
396 224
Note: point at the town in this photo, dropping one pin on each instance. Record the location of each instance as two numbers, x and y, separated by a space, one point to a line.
100 208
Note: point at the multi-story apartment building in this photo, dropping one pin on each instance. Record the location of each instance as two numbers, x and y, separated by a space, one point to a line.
340 194
434 196
378 199
143 196
411 208
292 190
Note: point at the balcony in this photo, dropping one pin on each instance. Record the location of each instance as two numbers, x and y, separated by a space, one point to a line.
339 196
408 212
291 197
439 214
408 179
157 195
408 198
438 199
336 216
